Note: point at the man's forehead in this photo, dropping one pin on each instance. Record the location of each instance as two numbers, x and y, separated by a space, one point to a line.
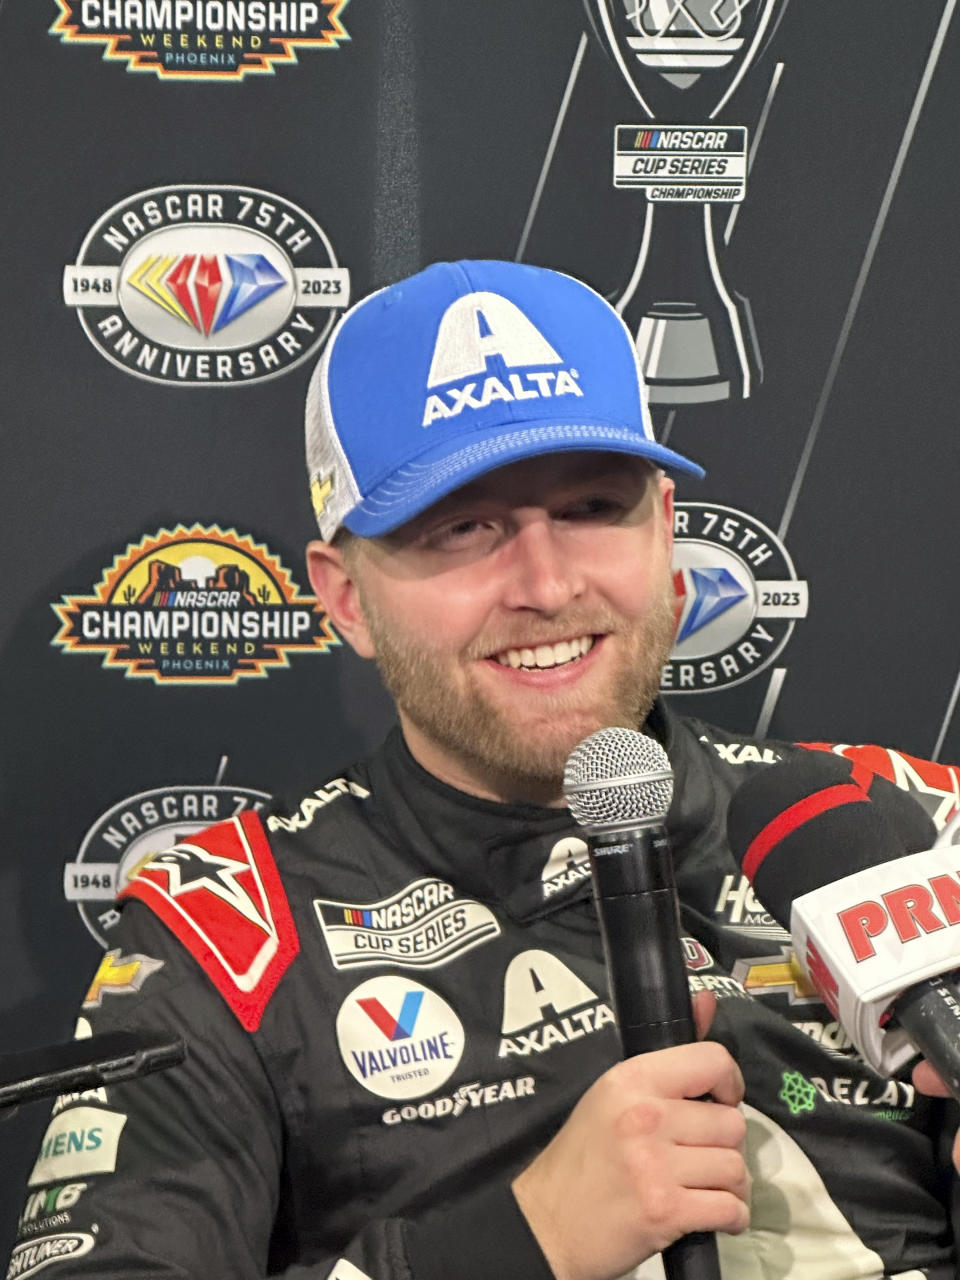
531 478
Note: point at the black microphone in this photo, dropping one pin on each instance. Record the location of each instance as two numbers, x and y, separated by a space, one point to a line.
618 785
879 903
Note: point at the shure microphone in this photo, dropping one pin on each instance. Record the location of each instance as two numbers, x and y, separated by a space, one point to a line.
873 907
618 784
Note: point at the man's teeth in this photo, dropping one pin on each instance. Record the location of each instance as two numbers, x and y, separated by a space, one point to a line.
546 655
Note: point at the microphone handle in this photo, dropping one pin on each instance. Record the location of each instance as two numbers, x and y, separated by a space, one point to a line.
640 925
929 1012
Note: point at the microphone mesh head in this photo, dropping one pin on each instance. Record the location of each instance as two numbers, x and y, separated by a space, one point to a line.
617 777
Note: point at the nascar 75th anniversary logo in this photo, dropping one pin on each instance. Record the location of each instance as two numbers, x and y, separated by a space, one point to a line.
201 605
201 39
213 286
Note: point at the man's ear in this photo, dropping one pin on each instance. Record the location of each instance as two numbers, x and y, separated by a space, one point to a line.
666 497
334 586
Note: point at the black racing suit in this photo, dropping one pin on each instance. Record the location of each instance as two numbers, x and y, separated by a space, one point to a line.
386 1051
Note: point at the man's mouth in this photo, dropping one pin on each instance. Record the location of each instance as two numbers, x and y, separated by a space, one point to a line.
544 656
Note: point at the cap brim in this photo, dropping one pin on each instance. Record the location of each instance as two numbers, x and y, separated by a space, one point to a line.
438 472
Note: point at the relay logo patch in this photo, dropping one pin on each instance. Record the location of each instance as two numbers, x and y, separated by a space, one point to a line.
397 1038
422 926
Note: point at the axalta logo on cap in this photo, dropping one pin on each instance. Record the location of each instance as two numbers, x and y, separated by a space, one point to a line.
909 910
483 324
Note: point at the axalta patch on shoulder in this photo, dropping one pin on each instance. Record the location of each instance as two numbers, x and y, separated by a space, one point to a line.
220 893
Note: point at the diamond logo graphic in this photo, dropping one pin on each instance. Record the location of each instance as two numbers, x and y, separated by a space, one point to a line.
254 278
189 287
737 596
714 592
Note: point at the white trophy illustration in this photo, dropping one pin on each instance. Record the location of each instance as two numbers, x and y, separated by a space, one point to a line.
683 60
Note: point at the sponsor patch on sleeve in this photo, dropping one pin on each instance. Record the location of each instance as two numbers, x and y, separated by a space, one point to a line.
934 785
220 893
79 1141
34 1255
119 975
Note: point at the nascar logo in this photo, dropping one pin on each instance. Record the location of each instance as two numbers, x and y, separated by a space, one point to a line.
681 139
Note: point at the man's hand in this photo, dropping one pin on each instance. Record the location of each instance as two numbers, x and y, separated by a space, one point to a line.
926 1080
639 1163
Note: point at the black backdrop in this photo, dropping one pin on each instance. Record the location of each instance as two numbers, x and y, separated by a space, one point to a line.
426 130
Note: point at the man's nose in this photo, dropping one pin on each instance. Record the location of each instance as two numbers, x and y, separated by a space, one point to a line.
541 571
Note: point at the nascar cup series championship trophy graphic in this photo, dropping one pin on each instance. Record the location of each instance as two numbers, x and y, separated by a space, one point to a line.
683 59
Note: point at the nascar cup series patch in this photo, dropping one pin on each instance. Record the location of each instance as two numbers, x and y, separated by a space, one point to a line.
220 894
398 1039
422 926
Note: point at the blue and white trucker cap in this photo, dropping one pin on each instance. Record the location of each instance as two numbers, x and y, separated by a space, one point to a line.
464 367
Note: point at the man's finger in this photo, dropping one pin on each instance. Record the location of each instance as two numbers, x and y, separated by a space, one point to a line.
688 1071
926 1080
704 1007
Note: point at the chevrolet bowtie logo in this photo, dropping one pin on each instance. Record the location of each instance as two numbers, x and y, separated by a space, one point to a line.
779 974
320 491
119 974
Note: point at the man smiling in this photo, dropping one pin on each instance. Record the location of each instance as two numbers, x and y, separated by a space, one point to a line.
521 613
403 1064
515 590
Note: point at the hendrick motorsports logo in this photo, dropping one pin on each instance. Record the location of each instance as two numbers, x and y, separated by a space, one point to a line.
201 39
194 606
133 831
738 597
206 285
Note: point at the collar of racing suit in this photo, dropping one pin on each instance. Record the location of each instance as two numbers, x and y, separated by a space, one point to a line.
533 860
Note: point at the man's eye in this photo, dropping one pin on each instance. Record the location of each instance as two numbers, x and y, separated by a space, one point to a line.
595 508
459 533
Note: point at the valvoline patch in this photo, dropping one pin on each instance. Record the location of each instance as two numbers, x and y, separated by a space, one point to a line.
220 893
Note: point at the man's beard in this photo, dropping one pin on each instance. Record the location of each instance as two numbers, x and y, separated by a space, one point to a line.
523 760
